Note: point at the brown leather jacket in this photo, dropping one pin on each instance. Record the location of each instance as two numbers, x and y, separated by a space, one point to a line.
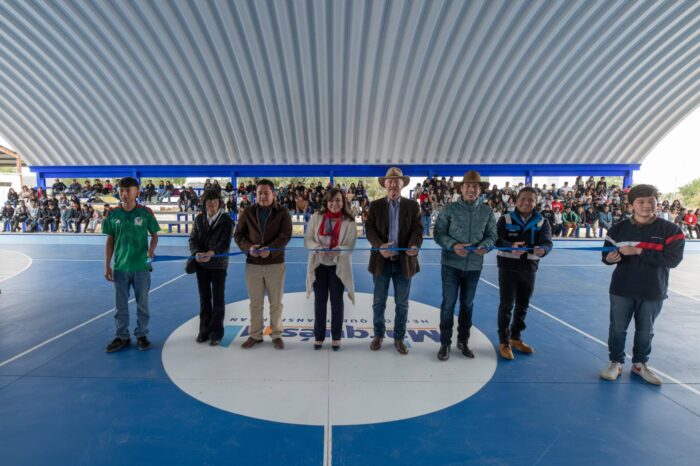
278 232
410 234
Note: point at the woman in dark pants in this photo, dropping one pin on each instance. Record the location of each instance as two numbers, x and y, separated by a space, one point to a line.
211 235
329 273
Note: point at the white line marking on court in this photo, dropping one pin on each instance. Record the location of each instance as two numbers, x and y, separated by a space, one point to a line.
328 428
328 444
17 273
42 344
588 335
684 295
70 260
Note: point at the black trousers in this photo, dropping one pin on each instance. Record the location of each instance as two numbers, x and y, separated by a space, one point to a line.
515 287
47 223
328 284
211 284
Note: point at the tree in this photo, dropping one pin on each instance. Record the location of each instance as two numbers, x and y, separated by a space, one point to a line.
690 194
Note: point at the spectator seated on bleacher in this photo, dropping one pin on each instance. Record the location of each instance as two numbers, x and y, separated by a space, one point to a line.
20 215
58 186
188 200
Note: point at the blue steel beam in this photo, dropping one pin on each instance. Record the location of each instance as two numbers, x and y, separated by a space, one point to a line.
241 171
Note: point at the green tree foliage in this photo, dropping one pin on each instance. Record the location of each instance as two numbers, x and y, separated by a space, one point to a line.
690 194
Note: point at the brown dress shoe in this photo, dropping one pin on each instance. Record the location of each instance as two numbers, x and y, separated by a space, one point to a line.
278 343
250 342
376 343
522 346
401 346
506 352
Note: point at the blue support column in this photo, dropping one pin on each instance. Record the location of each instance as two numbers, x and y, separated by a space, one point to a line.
41 180
628 179
235 196
332 178
528 178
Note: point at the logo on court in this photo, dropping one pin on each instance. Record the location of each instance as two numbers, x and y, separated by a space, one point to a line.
355 385
301 329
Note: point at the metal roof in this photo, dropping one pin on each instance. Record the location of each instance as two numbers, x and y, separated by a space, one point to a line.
344 82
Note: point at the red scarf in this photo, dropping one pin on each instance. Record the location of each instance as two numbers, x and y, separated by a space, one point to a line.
325 229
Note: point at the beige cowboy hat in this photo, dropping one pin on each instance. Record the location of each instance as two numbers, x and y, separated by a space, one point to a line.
472 176
394 172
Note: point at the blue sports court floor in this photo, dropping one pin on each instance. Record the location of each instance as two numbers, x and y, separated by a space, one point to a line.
64 401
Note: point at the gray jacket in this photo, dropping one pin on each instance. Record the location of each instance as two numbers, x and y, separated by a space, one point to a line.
468 223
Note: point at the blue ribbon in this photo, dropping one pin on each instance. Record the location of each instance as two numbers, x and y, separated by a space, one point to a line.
469 248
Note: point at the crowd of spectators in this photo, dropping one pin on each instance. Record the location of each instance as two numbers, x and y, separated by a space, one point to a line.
71 207
62 208
52 214
587 207
303 201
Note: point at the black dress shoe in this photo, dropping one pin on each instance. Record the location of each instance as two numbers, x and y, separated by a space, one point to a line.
202 338
214 342
462 345
444 353
318 346
401 346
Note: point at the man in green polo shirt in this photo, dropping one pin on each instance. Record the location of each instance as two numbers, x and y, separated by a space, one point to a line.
127 229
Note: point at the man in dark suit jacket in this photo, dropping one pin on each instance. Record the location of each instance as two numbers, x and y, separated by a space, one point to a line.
393 222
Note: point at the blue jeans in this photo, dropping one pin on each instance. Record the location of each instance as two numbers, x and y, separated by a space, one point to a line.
457 282
622 310
425 220
402 287
141 283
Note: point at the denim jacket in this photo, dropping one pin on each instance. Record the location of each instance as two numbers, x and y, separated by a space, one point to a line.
469 223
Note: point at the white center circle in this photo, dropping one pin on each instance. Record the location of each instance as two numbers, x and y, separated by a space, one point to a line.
352 386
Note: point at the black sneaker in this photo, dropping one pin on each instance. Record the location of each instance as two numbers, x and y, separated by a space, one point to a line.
214 342
118 344
202 338
462 346
444 353
143 343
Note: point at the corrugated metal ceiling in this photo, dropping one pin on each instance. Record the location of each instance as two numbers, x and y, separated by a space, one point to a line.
344 82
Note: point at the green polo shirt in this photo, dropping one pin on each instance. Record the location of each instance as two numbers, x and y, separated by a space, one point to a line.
130 231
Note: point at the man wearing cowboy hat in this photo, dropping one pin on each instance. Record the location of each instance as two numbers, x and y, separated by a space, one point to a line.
393 222
466 223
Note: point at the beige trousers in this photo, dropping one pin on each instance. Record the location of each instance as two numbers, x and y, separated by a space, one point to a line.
259 279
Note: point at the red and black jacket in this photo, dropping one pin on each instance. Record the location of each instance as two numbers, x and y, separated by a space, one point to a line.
645 276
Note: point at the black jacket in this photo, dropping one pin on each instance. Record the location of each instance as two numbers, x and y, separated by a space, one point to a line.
645 276
536 232
216 238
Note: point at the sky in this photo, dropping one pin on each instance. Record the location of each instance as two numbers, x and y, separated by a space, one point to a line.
675 161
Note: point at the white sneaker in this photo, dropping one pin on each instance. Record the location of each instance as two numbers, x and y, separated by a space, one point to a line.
612 372
644 372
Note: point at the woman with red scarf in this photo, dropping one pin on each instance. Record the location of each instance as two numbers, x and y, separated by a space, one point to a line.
329 272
